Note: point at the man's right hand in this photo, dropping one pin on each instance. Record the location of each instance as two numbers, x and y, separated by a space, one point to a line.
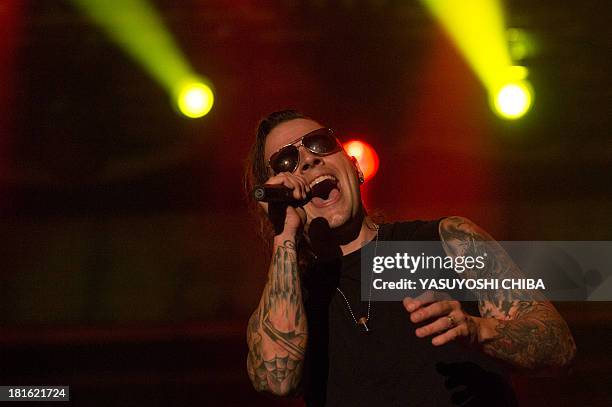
295 218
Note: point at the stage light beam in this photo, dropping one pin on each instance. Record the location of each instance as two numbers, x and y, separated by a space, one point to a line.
477 28
195 99
137 28
513 100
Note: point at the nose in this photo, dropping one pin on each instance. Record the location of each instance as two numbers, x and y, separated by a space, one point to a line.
309 160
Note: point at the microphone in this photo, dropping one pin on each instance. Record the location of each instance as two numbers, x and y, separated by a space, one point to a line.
278 194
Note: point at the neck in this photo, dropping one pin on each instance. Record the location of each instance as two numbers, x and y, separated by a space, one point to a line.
366 233
329 243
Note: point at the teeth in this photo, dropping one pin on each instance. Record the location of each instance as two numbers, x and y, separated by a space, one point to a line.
322 178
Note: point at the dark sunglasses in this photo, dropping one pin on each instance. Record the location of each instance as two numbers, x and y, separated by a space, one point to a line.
320 142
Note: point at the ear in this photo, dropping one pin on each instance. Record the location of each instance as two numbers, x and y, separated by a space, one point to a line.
358 169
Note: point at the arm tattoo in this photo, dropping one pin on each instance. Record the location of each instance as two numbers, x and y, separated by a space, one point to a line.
536 337
529 332
276 334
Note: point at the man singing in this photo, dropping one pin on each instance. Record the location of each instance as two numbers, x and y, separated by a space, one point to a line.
312 335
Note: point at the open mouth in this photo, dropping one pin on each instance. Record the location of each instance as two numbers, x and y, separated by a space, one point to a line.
325 191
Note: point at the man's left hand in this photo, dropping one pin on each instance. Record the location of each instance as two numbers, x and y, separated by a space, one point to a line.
448 320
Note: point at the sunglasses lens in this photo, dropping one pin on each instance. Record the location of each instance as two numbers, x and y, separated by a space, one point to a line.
285 160
321 142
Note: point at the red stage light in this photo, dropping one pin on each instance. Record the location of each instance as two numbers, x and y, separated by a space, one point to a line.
366 157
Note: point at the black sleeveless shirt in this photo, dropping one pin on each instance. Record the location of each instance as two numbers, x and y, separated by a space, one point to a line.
389 366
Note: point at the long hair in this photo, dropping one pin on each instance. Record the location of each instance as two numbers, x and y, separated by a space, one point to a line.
256 170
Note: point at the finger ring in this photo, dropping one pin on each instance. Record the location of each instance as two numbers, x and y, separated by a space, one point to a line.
451 321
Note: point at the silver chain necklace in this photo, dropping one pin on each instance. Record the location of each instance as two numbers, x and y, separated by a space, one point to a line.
363 321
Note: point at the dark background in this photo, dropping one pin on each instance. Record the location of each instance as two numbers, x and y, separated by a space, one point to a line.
128 261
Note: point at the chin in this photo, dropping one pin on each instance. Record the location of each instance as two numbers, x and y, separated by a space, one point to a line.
339 217
336 215
336 220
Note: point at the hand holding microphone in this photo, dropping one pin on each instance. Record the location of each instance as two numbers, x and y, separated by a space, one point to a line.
282 197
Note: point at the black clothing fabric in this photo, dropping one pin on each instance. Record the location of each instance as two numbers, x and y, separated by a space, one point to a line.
389 366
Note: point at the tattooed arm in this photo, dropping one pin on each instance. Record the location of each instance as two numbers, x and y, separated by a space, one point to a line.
527 333
277 332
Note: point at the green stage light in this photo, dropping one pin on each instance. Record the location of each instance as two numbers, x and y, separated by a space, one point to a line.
195 99
138 29
478 30
520 44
